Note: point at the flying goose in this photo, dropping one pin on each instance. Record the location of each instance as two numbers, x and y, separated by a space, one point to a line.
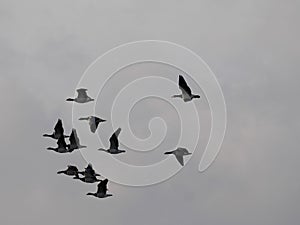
179 153
61 146
89 171
82 96
74 142
114 143
58 131
186 91
70 171
101 191
93 122
87 179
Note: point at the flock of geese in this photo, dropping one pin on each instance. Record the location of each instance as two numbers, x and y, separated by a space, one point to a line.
89 175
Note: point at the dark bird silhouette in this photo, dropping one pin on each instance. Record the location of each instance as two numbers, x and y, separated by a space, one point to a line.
179 153
93 122
87 179
89 171
82 96
61 146
58 131
74 142
114 144
70 171
186 91
101 190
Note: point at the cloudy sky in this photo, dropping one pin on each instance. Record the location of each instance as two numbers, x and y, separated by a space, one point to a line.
252 47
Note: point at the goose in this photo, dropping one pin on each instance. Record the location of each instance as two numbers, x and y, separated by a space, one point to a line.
82 96
58 131
61 146
89 171
70 171
74 142
101 191
93 122
186 91
114 144
179 153
87 179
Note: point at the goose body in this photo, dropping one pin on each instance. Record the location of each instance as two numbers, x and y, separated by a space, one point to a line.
87 179
186 93
114 144
58 131
179 153
74 142
70 171
101 190
93 122
82 96
61 146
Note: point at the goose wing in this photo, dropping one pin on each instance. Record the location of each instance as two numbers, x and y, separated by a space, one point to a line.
89 169
82 93
72 168
180 159
74 140
94 124
114 143
61 142
102 186
183 86
58 129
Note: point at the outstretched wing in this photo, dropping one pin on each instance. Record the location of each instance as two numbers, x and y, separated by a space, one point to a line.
94 124
61 142
89 170
183 86
102 186
82 93
72 168
58 129
74 140
180 159
89 167
114 143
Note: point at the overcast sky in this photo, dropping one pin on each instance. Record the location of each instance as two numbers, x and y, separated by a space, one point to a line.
252 47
